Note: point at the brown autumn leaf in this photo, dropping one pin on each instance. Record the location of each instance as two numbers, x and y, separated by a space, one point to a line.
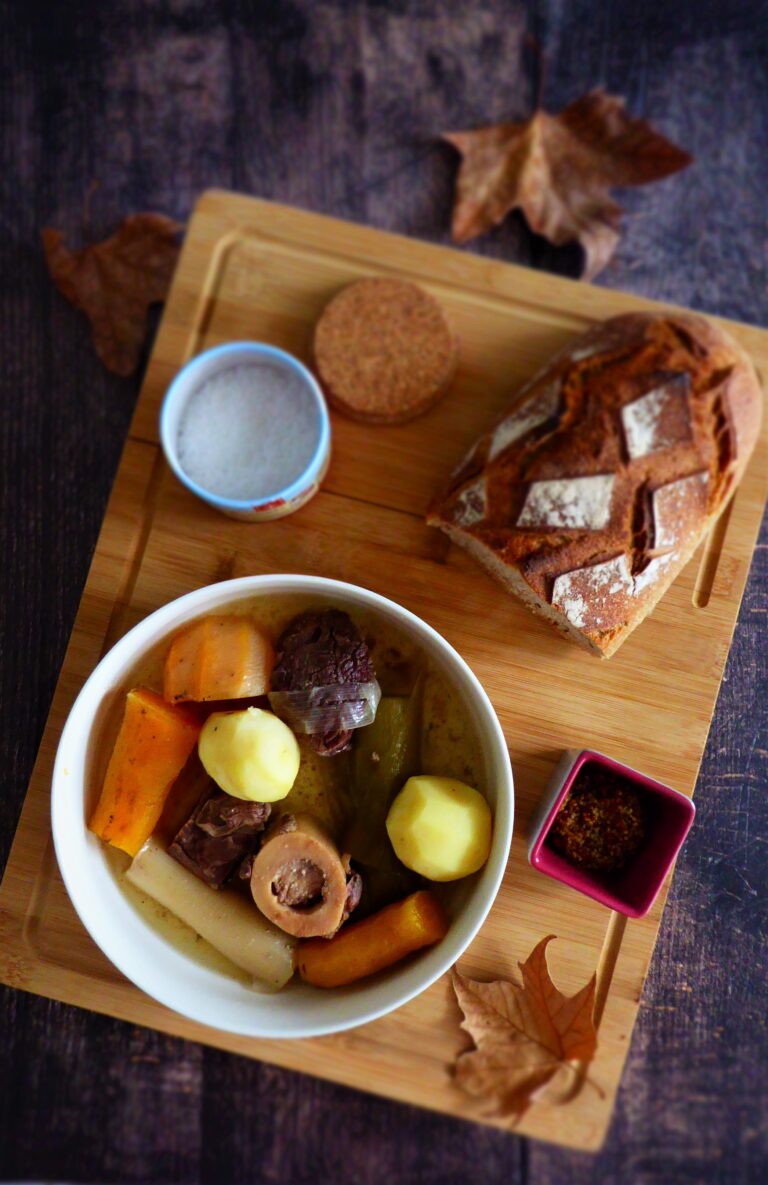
532 1043
115 282
559 170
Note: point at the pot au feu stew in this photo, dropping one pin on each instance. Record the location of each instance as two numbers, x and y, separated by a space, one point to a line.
316 811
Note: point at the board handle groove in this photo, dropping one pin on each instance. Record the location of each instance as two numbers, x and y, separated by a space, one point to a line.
710 560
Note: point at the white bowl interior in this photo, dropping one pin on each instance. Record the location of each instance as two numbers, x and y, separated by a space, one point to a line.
164 971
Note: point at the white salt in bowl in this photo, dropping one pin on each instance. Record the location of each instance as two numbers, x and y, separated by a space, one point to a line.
172 975
245 427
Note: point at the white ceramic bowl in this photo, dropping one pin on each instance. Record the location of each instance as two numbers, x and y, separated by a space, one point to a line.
163 970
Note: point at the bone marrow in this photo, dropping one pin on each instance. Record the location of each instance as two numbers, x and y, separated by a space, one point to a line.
299 878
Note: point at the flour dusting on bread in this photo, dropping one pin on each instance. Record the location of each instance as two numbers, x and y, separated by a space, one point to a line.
659 419
568 503
678 508
532 414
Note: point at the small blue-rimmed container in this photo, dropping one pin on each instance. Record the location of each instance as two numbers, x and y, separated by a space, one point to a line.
222 358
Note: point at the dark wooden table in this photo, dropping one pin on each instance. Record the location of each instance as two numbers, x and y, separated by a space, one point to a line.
113 107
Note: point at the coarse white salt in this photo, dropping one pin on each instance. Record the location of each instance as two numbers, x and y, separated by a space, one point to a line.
248 432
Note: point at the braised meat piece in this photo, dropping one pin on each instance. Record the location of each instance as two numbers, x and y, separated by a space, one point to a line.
323 656
354 893
220 832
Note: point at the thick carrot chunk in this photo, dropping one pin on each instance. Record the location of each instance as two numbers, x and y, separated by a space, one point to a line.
152 747
368 946
218 658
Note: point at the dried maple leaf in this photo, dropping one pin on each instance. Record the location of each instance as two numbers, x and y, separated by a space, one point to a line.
532 1043
559 169
116 281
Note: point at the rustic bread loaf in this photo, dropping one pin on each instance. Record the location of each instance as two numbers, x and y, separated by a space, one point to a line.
592 493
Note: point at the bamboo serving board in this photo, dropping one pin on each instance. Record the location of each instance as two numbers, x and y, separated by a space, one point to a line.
250 269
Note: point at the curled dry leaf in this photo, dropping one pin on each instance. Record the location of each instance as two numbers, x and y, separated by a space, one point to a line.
532 1043
115 282
559 169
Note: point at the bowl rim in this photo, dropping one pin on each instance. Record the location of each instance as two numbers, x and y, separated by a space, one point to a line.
182 386
127 649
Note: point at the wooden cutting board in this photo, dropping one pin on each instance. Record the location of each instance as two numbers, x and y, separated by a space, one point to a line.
250 269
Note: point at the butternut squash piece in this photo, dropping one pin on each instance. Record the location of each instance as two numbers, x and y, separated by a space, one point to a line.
152 747
218 658
379 941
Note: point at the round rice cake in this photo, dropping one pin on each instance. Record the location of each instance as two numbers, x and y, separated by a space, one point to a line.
384 351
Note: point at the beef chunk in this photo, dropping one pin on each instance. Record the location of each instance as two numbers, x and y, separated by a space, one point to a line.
221 831
354 893
323 650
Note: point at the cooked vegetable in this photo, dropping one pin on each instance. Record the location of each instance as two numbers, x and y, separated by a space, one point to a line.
440 827
220 832
250 754
323 682
299 879
384 755
218 658
152 746
382 886
231 925
365 947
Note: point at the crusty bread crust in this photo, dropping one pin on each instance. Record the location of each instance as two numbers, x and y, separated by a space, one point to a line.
592 493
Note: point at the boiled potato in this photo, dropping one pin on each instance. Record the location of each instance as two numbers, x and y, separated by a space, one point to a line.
251 754
440 827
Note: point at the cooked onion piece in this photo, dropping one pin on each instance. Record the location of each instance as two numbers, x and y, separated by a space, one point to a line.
323 681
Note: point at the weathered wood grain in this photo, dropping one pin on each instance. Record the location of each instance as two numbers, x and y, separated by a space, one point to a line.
333 106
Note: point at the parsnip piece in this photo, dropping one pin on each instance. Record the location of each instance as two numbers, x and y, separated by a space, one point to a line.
251 754
440 827
231 925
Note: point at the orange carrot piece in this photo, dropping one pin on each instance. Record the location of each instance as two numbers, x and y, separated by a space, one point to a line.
365 947
152 747
218 658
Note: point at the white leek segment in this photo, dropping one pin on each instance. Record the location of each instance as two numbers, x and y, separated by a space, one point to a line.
231 925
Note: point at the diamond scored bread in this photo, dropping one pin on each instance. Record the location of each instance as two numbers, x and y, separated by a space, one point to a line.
594 490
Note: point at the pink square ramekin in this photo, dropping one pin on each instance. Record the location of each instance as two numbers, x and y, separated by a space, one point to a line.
631 890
